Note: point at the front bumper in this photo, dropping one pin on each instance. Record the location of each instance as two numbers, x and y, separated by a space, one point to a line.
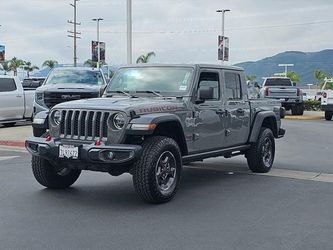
90 157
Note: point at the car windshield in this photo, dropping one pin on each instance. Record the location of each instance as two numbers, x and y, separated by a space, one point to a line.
168 80
75 76
278 82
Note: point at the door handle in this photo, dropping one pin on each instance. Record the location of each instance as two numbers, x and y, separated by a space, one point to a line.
18 96
240 111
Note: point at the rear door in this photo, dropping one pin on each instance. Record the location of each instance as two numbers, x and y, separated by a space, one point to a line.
208 122
237 117
11 100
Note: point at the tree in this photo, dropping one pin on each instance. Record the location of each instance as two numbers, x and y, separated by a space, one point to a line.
294 77
5 67
145 58
28 67
90 63
14 64
50 63
251 77
320 75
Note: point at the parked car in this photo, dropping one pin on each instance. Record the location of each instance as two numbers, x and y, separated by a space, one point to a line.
283 89
65 84
153 119
327 99
32 83
15 103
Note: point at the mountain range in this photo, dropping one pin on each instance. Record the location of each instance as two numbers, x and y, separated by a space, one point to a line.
305 63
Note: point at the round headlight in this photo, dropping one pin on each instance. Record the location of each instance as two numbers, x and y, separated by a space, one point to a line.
119 121
57 117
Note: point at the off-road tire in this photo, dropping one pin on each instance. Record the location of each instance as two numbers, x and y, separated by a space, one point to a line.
10 124
38 132
255 154
145 169
297 110
328 115
46 174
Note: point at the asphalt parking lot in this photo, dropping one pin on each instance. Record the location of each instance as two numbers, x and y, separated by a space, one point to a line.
220 205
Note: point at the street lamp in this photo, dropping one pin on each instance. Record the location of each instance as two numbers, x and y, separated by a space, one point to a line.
98 49
223 11
129 31
286 65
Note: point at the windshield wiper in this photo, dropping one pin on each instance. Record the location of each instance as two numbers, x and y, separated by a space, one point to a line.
150 92
121 92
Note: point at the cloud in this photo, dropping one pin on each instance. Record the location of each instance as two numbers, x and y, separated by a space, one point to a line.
179 31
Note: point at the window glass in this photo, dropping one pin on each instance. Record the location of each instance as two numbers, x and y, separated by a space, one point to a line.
278 82
7 84
58 76
209 79
233 86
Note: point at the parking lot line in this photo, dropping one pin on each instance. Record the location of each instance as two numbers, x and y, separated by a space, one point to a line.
3 158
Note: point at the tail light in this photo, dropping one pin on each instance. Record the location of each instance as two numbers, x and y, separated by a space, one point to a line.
298 92
266 92
324 95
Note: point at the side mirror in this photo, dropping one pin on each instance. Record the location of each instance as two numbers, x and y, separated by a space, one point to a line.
294 84
205 93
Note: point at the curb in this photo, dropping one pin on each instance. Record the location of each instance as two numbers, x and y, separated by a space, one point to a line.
11 143
307 118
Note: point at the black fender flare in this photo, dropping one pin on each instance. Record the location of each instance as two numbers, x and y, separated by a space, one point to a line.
257 124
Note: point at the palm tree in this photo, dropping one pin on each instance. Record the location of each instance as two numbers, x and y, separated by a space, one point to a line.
294 77
320 75
251 77
145 58
5 67
50 63
90 63
28 67
14 64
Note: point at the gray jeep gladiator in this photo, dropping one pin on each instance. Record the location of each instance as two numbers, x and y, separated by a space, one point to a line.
151 120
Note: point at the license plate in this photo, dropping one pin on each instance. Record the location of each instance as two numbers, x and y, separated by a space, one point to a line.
68 152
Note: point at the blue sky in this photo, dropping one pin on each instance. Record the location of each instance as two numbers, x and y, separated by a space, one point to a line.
179 31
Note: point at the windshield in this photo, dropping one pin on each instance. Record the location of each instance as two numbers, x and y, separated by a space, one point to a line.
278 82
158 79
75 76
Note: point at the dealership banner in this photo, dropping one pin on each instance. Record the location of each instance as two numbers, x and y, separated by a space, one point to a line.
223 48
2 53
94 51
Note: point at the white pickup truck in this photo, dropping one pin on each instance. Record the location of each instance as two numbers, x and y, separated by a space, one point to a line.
327 98
15 103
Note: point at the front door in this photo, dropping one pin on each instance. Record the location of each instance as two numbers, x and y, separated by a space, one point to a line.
208 121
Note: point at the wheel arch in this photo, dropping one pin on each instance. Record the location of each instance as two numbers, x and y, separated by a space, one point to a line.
263 119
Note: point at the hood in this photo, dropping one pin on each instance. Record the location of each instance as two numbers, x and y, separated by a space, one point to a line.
70 87
126 104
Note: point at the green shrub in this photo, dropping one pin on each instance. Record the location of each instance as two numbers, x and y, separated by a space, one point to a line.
312 105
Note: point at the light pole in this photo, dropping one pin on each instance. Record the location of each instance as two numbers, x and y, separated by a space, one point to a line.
223 11
98 49
286 65
129 31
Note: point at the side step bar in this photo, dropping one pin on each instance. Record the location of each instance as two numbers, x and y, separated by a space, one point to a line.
227 152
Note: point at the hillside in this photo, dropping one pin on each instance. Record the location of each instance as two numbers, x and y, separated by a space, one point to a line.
305 64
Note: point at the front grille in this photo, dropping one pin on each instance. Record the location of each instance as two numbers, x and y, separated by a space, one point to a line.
84 125
53 98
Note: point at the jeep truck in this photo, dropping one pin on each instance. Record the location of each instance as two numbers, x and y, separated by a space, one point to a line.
151 120
283 89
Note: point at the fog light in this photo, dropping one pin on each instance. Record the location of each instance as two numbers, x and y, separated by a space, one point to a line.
110 156
106 155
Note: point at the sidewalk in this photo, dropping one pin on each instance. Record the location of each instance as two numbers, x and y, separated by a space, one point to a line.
15 136
308 115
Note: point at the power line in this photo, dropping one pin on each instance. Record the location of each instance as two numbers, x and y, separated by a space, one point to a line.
74 34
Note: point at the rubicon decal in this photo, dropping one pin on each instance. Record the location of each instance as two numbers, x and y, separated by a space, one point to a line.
155 109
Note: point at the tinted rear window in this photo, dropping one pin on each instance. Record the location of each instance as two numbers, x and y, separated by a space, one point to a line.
7 84
278 82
